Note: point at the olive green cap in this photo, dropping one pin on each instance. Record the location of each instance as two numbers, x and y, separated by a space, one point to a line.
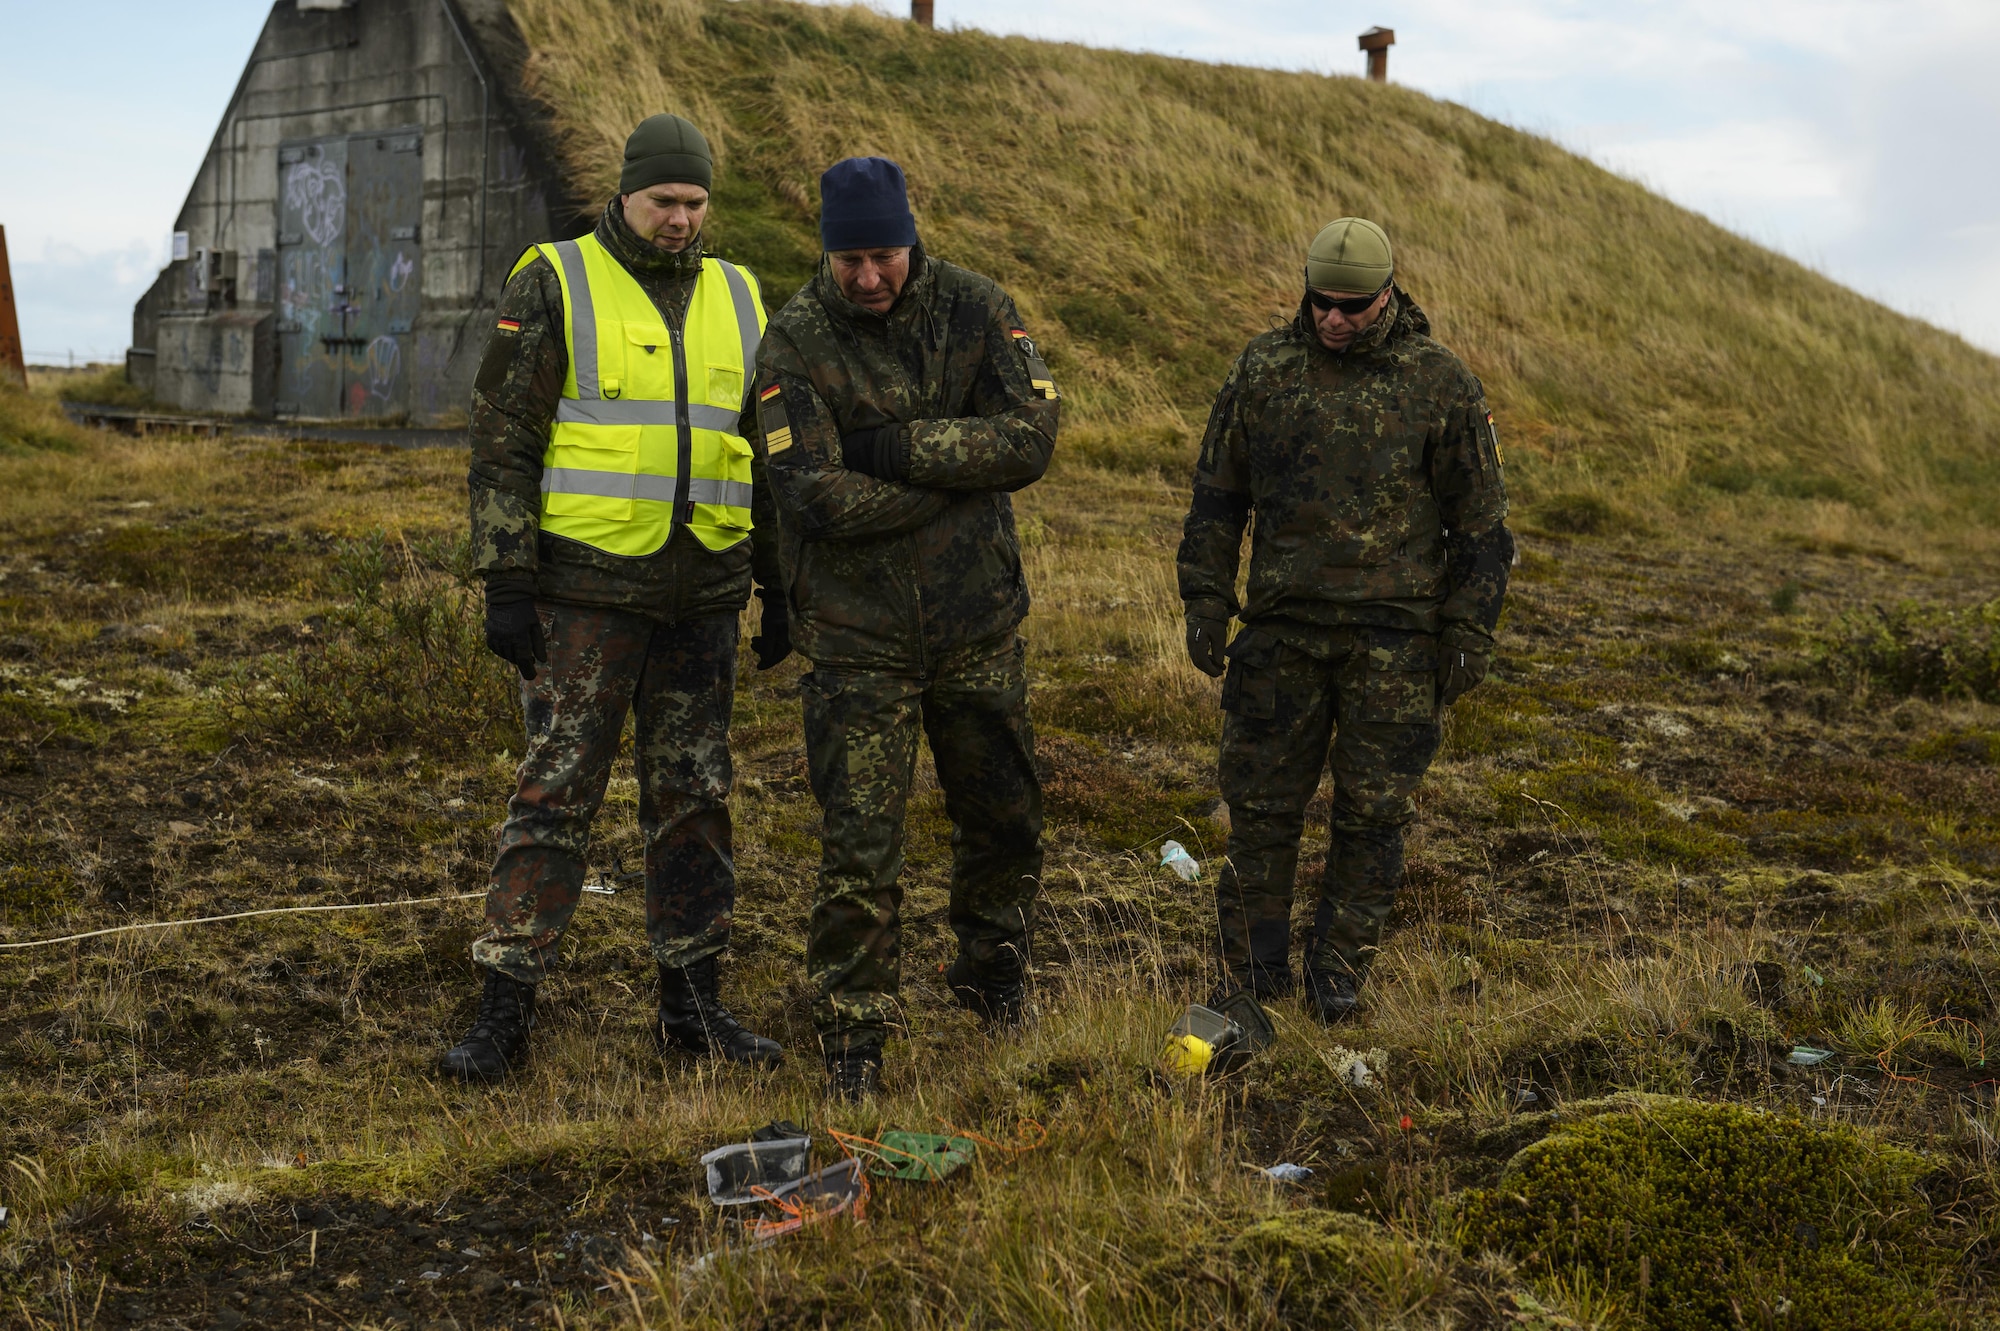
1351 254
665 150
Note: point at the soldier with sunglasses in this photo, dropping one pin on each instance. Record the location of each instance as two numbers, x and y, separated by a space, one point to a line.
1378 563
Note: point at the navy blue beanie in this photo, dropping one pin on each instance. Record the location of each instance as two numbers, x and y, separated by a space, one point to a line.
864 206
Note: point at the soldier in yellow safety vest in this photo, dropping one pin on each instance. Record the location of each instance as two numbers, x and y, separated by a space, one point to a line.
613 485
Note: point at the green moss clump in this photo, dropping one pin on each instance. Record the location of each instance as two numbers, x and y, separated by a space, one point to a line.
1740 1217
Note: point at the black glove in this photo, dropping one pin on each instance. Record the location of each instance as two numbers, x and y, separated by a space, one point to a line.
513 629
1205 640
1464 653
875 452
774 642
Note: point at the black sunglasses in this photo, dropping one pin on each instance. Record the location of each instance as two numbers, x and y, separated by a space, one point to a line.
1357 305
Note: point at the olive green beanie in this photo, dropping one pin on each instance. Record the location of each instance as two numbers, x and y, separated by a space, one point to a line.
665 150
1351 254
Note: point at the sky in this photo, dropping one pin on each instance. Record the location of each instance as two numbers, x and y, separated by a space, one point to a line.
1859 136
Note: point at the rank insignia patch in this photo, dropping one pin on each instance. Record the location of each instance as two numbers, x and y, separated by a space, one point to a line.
777 424
1039 377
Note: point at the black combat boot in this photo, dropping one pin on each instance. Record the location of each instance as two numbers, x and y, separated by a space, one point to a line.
1331 996
498 1041
853 1074
693 1018
998 1000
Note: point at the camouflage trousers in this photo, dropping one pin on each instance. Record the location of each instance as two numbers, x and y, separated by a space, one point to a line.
678 681
861 743
1368 695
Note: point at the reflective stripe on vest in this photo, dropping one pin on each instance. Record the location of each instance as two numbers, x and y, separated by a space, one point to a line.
611 474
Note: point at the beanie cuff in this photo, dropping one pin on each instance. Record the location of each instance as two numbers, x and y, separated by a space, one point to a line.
666 169
867 233
1347 277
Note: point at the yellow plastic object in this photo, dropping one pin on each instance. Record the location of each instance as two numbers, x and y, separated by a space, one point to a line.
1188 1055
1206 1042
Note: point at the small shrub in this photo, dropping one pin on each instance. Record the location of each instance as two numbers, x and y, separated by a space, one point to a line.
1700 657
1786 598
1923 651
1740 1217
1576 513
401 658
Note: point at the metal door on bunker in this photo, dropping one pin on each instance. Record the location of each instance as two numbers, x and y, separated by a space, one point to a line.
348 272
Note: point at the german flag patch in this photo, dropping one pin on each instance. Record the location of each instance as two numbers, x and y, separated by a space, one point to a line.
1493 436
509 325
1039 377
777 424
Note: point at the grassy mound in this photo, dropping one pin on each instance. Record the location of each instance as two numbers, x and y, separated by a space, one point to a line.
1151 214
1717 1215
30 423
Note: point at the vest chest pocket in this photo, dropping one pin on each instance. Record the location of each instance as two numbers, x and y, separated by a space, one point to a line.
725 387
648 372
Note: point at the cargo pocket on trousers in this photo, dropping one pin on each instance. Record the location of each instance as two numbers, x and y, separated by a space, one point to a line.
1401 684
1251 687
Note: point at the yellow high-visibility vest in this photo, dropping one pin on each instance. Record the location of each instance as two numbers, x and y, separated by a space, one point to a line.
649 421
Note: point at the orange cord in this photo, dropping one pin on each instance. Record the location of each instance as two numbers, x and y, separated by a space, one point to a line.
1024 1130
849 1140
1882 1058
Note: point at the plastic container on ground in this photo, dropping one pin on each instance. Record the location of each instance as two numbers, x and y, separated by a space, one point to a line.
750 1172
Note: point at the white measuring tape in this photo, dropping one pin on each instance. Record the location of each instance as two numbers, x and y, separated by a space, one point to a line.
239 915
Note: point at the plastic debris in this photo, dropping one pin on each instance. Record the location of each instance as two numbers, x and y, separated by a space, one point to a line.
1205 1041
1241 1006
920 1157
839 1189
756 1171
1174 856
1288 1173
1805 1056
783 1130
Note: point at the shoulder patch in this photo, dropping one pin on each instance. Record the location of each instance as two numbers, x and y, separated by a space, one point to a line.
1039 377
772 418
509 325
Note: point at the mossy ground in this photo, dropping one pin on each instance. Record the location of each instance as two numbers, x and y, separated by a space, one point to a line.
1664 844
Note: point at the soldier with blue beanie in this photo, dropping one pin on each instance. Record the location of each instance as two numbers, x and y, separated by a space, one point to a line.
901 401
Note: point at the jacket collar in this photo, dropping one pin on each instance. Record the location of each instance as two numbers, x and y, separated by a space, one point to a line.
640 258
914 295
1401 319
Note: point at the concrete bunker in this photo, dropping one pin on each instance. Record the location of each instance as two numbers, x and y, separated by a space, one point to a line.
340 252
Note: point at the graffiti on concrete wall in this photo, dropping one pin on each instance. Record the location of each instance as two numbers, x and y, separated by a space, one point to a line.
316 195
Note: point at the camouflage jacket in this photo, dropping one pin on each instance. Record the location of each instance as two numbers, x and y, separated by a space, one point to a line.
513 410
1375 478
891 575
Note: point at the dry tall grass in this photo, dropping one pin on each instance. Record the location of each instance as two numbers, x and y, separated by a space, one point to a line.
1150 214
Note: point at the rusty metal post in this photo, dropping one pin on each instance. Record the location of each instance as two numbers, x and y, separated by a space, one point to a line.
921 12
1376 42
12 363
